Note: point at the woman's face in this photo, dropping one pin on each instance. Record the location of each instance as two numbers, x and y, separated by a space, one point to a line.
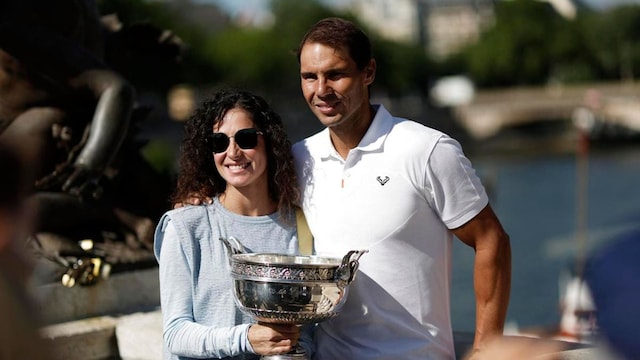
241 168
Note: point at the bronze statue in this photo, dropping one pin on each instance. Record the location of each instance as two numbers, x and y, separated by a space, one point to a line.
72 117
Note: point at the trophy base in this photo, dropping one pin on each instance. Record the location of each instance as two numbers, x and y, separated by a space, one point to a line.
296 354
285 357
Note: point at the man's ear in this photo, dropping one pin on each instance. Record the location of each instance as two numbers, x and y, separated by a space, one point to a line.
370 72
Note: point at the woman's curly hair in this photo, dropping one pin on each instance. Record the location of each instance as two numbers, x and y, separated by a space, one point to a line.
198 174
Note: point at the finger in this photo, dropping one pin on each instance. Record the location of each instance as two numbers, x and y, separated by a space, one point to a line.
281 347
282 327
286 339
284 334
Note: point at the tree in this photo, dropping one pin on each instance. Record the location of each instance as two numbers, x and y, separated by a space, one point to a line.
613 38
516 50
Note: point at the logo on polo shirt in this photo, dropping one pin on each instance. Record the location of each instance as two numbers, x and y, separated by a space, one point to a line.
382 180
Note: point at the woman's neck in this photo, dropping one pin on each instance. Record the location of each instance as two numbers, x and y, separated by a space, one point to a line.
248 203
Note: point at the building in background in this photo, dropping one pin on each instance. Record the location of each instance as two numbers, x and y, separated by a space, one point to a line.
442 27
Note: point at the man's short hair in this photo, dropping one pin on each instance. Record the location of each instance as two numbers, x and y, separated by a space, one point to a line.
340 33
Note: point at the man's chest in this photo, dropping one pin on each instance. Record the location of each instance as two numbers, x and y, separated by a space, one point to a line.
354 204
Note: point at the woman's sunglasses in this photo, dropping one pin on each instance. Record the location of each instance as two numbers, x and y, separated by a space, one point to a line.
245 138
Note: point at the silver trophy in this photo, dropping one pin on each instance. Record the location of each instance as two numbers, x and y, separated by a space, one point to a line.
290 289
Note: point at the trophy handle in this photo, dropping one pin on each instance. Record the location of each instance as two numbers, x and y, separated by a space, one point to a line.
233 246
347 270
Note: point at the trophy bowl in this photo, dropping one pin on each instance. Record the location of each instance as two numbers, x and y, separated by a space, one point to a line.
292 289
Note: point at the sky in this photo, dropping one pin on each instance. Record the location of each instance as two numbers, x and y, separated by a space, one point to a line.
606 3
236 6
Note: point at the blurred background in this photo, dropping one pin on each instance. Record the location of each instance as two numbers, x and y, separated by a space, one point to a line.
541 94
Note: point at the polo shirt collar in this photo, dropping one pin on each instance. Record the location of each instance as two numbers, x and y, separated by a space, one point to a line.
373 139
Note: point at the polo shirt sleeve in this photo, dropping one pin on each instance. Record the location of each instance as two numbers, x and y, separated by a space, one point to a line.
457 194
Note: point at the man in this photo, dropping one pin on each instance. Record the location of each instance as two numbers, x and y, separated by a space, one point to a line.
401 190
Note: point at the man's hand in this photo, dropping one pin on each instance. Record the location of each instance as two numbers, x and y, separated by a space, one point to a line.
509 348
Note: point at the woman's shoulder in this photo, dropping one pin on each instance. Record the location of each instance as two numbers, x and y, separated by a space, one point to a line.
189 215
187 211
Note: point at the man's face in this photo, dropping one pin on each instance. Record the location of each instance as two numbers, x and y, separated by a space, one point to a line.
333 86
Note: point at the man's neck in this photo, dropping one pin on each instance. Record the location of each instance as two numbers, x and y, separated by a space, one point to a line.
345 138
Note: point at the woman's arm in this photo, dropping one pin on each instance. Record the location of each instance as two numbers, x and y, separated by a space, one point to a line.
182 335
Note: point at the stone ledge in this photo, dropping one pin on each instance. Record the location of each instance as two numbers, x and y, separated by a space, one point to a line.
120 294
86 339
138 336
129 337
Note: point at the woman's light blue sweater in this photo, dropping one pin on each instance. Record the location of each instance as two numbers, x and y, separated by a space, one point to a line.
200 318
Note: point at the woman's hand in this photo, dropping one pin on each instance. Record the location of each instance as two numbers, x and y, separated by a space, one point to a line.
273 339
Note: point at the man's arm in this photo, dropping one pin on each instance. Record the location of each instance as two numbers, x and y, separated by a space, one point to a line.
491 275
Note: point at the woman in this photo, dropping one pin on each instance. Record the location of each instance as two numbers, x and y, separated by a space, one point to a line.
236 149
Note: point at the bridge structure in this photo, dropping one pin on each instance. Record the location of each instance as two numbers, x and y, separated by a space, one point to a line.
491 111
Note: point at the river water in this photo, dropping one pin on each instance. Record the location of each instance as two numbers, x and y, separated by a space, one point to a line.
536 198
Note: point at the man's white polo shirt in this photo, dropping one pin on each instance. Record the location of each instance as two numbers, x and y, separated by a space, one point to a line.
396 194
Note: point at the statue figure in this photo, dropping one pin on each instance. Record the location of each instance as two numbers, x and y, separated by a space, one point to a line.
72 117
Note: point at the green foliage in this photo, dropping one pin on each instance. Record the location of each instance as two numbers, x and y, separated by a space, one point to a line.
516 49
265 58
572 61
160 155
614 39
294 17
401 68
530 43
